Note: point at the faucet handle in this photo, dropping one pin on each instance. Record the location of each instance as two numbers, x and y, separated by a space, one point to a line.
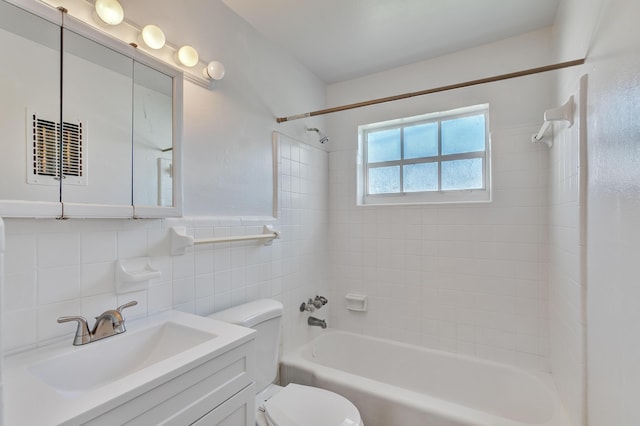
126 305
83 335
119 326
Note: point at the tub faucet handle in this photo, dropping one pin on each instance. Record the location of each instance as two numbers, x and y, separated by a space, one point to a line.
308 306
320 301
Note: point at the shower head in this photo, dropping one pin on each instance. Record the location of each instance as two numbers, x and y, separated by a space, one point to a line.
323 138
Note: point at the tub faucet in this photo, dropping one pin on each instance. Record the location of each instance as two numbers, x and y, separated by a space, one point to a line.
313 321
108 323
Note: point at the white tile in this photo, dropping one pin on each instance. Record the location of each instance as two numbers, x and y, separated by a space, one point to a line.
98 246
222 260
19 329
132 243
137 311
93 306
205 305
20 255
19 290
183 291
204 262
204 285
58 284
160 297
55 250
48 327
183 266
222 282
98 278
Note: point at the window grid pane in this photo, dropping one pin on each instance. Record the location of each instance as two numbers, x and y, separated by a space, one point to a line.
384 180
445 154
384 145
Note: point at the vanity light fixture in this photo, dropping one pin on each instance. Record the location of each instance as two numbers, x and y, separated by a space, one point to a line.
187 56
153 37
109 11
108 17
214 71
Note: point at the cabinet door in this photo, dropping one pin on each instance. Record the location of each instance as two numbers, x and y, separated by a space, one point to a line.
236 411
29 114
152 137
97 128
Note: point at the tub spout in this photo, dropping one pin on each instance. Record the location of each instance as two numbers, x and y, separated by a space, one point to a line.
317 322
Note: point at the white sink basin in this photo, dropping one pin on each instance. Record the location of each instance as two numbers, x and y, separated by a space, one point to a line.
104 361
62 384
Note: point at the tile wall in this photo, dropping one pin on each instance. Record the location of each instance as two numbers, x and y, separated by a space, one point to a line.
567 276
465 278
67 267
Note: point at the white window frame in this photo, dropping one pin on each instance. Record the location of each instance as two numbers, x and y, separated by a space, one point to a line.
481 195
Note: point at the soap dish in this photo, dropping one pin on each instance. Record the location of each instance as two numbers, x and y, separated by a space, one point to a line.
134 274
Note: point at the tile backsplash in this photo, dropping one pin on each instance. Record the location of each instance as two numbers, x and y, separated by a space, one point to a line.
68 267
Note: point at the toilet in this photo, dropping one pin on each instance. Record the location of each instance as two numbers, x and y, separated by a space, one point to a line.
292 405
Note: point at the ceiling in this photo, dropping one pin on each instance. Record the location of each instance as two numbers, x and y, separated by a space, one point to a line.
343 39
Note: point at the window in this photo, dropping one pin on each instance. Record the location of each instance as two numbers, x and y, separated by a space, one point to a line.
433 158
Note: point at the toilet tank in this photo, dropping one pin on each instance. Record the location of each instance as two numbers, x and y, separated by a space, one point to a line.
264 316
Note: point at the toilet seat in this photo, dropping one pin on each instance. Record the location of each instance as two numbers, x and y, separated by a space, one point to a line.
297 405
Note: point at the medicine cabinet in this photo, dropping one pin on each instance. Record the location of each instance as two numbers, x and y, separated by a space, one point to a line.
90 125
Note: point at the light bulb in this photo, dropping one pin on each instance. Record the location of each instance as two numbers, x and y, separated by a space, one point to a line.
187 56
109 11
153 37
215 70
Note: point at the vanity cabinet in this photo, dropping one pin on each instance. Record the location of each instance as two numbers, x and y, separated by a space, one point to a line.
218 392
91 125
172 369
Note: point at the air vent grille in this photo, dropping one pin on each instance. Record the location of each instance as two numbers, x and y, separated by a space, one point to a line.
46 161
72 149
45 152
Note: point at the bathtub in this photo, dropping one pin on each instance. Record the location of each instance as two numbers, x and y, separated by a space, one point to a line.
395 384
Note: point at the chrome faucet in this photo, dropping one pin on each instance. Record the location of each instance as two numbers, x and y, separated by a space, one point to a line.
313 304
317 322
108 323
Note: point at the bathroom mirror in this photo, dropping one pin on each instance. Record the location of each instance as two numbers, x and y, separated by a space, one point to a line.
30 112
81 112
97 130
154 130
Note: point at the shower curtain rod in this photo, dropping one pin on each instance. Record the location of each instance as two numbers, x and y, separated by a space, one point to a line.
500 77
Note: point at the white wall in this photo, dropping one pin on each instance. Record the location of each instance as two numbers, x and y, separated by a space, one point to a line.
607 31
67 267
57 268
227 130
467 278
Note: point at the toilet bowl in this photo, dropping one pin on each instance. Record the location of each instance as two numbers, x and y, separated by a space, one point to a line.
298 405
292 405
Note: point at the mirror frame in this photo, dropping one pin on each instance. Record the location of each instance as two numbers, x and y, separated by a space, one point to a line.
64 210
177 117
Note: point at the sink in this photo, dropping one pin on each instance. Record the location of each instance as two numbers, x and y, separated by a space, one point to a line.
105 361
161 363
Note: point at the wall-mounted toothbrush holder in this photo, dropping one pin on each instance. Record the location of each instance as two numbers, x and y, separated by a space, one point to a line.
356 302
313 304
134 274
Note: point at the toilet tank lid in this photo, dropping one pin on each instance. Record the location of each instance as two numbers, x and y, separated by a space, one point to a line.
250 314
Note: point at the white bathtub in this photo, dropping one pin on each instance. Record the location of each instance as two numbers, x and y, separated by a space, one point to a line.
395 384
